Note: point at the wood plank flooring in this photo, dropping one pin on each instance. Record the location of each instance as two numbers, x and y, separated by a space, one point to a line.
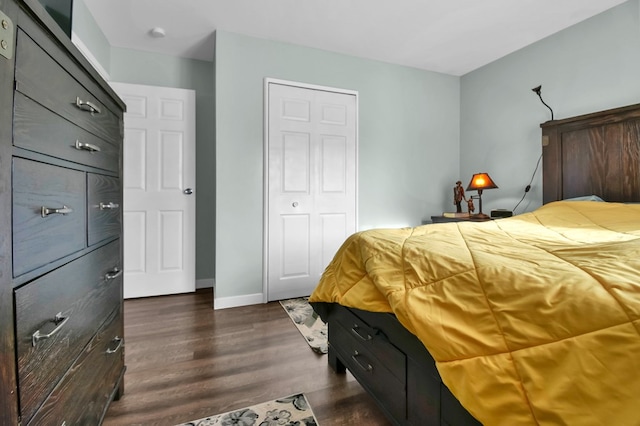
186 361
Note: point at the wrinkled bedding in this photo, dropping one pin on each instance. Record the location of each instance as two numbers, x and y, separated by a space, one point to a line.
533 319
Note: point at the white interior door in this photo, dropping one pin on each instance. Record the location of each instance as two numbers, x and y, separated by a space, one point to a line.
311 189
159 190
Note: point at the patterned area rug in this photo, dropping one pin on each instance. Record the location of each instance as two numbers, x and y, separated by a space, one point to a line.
293 410
308 323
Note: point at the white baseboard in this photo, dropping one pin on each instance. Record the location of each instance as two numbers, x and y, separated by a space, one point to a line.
206 283
235 301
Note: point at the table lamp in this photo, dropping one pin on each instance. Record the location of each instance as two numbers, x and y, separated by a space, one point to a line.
480 182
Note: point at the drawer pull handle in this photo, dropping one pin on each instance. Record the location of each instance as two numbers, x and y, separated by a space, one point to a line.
355 330
59 321
112 275
368 368
46 211
82 146
109 206
87 106
120 343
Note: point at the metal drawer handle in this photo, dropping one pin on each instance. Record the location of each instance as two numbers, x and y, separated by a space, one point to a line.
120 343
355 330
109 206
87 106
59 321
46 211
86 146
112 275
368 368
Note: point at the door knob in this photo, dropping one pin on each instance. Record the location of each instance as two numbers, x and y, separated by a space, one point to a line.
188 191
295 204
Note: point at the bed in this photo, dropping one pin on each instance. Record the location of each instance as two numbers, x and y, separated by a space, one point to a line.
533 319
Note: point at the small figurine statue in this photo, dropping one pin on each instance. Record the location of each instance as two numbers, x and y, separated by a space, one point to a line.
470 205
458 196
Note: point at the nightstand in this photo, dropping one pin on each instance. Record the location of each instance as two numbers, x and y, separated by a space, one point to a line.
443 219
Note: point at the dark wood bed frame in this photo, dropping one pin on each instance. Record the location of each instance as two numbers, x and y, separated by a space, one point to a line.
593 154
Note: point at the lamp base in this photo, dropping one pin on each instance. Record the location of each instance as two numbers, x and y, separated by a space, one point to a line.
480 216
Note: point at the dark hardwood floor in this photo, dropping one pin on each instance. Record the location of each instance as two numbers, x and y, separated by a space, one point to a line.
186 361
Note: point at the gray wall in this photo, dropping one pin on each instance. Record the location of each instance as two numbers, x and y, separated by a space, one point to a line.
136 67
132 66
589 67
87 29
419 131
408 143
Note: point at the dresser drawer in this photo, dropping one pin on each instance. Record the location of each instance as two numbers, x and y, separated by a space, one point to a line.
103 207
82 396
38 129
35 73
57 315
374 341
42 231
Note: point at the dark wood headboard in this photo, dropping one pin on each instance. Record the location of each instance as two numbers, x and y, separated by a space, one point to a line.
593 154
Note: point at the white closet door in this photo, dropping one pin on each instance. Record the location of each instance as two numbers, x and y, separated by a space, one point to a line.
312 145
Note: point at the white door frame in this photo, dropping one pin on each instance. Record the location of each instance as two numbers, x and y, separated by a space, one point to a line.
265 240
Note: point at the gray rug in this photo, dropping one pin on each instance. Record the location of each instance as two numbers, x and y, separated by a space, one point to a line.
293 410
308 323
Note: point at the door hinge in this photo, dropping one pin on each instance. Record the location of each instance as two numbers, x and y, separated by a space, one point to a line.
7 38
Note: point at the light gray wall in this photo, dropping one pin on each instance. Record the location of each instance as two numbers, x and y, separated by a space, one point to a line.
589 67
87 29
419 131
408 143
136 67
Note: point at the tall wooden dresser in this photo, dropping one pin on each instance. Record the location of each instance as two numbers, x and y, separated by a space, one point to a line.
61 320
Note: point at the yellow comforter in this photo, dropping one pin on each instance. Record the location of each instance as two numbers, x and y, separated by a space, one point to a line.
533 319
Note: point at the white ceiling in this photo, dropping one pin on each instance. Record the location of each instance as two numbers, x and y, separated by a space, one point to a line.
448 36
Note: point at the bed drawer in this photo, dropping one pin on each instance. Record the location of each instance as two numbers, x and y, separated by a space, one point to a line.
371 372
400 337
82 396
374 341
423 403
57 314
40 130
453 413
103 194
35 72
49 214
